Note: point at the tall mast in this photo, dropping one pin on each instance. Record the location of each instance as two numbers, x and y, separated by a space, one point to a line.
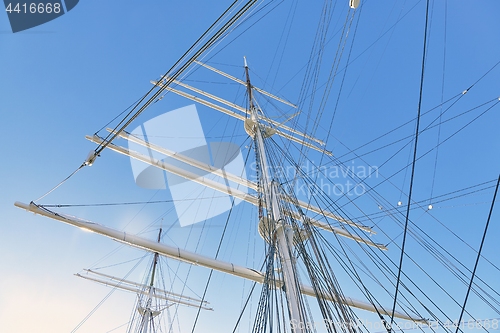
282 231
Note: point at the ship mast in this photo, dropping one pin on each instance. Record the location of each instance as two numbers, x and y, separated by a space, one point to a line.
282 231
147 313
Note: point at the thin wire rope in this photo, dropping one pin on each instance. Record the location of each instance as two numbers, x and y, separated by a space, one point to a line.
286 155
442 97
479 253
104 299
127 203
424 54
204 47
211 271
62 182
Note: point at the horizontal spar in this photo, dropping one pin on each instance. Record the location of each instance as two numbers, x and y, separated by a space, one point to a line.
242 117
146 244
187 160
157 290
245 111
307 290
157 294
244 83
227 190
178 171
190 257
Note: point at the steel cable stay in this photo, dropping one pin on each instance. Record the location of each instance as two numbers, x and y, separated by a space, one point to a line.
174 72
430 150
313 55
462 240
286 27
387 179
371 189
178 266
430 126
311 75
461 272
346 66
105 298
320 282
283 252
479 79
340 89
442 198
174 242
439 245
333 73
358 281
337 58
479 253
416 299
244 306
456 97
321 275
439 256
313 273
207 45
216 256
442 97
329 86
383 264
334 253
357 278
266 199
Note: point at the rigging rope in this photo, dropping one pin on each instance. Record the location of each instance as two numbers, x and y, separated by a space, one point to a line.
104 299
413 163
442 97
62 182
479 253
211 271
169 79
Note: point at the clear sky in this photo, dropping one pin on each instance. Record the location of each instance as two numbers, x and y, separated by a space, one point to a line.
69 77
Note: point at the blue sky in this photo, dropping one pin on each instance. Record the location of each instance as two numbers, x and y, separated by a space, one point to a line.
67 78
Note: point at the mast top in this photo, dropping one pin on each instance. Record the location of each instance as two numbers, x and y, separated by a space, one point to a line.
245 60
